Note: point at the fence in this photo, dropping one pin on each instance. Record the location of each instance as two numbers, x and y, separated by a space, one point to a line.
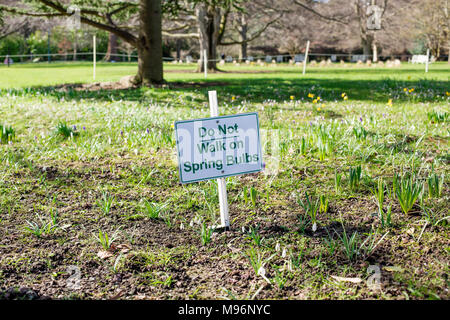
120 57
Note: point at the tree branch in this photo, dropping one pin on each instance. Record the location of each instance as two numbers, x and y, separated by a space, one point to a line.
181 35
125 35
30 14
308 8
256 35
12 31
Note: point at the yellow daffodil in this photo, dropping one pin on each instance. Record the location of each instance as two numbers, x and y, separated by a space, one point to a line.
405 89
292 97
233 98
315 101
390 102
318 109
310 95
447 93
318 98
411 90
345 98
343 95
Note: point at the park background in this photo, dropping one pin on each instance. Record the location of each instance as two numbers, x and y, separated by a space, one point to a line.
353 201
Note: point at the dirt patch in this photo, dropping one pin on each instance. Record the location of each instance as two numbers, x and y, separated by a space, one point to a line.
127 85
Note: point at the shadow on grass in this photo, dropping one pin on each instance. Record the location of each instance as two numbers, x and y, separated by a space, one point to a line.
256 90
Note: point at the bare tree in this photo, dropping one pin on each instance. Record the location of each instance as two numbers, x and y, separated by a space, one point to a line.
249 23
8 25
433 24
207 21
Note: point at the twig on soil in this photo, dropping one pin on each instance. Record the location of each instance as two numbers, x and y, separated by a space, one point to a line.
257 292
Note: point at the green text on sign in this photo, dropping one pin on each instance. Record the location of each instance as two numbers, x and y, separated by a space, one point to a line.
218 147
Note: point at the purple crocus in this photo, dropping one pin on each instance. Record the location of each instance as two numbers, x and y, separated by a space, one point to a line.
148 131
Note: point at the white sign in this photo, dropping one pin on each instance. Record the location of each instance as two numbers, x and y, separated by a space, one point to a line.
218 147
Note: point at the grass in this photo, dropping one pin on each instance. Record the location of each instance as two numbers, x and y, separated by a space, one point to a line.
114 164
44 74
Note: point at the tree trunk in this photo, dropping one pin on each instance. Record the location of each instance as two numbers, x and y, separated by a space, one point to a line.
208 18
243 53
149 43
243 36
111 52
367 43
178 49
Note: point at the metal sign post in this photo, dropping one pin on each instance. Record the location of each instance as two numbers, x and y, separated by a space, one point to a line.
205 63
306 58
95 53
221 183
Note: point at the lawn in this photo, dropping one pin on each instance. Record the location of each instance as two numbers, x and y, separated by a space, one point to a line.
352 204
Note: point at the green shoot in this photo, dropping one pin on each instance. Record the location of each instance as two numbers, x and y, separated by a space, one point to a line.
205 234
435 185
106 202
354 177
337 181
7 134
408 191
311 208
105 241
